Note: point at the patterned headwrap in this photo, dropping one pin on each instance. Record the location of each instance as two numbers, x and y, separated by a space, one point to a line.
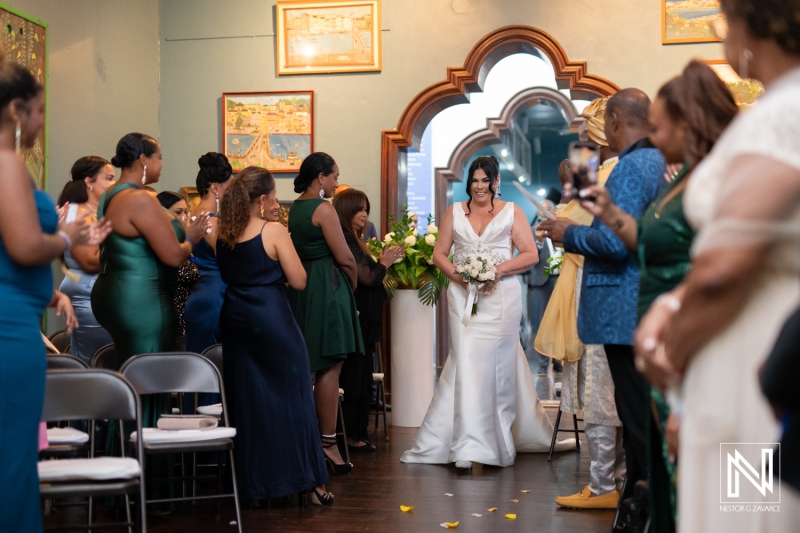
595 115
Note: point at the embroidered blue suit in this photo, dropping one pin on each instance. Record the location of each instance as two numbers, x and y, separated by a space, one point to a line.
610 290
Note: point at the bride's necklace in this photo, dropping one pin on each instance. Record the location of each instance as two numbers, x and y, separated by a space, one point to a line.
92 210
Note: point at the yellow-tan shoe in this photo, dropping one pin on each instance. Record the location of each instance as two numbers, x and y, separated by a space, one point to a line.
585 499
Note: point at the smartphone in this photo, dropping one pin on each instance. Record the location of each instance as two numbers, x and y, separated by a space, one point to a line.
72 212
584 161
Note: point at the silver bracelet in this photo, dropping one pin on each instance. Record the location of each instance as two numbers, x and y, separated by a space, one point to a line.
66 238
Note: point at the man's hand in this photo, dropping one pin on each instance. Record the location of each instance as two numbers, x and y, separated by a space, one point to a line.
554 229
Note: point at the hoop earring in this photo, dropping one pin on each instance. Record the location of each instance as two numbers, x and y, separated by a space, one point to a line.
217 199
321 194
262 211
144 174
744 63
18 137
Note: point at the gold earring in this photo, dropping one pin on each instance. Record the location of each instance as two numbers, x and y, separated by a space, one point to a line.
262 211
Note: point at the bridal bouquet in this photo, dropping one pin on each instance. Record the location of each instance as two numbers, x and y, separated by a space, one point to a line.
478 267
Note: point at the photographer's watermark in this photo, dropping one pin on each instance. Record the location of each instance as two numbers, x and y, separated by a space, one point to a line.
749 477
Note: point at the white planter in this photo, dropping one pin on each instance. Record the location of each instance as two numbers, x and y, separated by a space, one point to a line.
413 366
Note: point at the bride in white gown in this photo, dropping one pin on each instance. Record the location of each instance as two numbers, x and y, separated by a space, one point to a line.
485 408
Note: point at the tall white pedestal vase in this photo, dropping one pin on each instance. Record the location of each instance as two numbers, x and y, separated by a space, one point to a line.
413 367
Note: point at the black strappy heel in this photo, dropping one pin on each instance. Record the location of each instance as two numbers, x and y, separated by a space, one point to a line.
325 498
340 469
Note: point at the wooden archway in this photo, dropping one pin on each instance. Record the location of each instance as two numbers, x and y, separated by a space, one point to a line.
461 81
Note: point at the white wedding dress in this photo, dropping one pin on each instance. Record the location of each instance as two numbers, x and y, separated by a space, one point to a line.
485 408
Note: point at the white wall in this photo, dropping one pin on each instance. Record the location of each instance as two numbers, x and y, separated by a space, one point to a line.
207 48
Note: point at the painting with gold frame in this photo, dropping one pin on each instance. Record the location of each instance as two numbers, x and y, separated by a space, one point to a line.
327 37
25 42
274 130
192 198
689 21
745 92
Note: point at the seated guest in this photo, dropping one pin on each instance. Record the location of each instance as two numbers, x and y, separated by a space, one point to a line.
188 272
91 176
267 374
352 206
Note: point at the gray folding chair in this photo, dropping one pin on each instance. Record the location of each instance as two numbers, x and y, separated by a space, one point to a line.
93 395
105 357
61 340
64 362
175 372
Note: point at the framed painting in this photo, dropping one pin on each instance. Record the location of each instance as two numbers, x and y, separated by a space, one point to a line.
25 42
192 198
689 21
745 92
319 36
270 130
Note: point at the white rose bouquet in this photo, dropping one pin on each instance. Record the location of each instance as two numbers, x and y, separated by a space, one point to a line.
478 267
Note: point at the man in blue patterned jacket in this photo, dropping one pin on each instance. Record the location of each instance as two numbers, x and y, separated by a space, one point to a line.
607 313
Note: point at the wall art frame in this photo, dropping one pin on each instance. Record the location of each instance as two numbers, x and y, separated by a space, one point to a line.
689 21
24 41
328 37
745 91
274 130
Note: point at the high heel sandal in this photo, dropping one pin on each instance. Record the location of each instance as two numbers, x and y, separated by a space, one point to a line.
329 441
326 498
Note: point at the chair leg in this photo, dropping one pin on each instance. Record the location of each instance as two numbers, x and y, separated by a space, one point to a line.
555 433
344 432
127 514
577 438
235 492
383 409
219 485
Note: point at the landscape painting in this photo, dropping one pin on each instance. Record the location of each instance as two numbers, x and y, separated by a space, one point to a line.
328 37
745 92
25 42
689 21
270 130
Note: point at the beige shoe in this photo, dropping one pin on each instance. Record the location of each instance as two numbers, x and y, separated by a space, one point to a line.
585 499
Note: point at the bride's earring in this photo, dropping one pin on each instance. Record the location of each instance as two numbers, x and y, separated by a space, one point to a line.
144 174
744 63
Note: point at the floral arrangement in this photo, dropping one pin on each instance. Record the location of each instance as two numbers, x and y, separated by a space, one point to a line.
415 268
478 267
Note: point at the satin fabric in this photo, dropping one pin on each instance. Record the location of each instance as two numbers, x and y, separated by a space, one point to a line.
485 408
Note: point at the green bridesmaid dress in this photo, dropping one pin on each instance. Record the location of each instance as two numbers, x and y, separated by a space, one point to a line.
326 309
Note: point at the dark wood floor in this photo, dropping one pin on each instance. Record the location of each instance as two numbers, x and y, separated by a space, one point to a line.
369 499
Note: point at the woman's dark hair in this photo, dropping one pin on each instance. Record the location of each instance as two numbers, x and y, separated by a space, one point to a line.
310 169
489 164
131 146
250 184
74 191
702 101
214 168
17 82
778 20
347 203
168 198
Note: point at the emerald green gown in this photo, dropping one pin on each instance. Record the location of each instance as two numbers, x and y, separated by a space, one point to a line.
134 300
326 309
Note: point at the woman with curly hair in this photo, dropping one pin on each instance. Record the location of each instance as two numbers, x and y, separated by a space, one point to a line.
267 375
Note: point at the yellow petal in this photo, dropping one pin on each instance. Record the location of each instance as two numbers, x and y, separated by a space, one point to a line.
451 525
33 56
36 36
514 501
511 516
526 491
19 53
406 508
492 509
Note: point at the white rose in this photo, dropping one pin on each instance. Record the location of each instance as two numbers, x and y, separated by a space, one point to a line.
410 240
490 275
474 272
388 237
430 261
482 276
415 233
430 239
432 228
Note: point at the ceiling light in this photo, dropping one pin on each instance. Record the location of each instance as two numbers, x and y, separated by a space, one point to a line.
510 166
503 152
522 179
541 192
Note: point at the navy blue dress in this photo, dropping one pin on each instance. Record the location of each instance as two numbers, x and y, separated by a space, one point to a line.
267 378
24 293
205 301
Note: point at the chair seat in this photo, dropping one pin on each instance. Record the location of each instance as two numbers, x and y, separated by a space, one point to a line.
98 469
167 436
66 436
213 410
377 376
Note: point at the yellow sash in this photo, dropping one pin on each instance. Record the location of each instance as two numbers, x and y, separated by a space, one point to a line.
558 331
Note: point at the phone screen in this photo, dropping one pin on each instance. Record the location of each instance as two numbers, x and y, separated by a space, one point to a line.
584 161
72 212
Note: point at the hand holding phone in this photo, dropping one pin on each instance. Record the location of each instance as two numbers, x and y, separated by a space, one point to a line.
72 213
584 162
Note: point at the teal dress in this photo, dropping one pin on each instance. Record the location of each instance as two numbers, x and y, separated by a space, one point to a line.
663 243
24 294
326 309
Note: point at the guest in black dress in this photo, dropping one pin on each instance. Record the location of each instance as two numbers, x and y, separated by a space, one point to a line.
352 206
266 372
